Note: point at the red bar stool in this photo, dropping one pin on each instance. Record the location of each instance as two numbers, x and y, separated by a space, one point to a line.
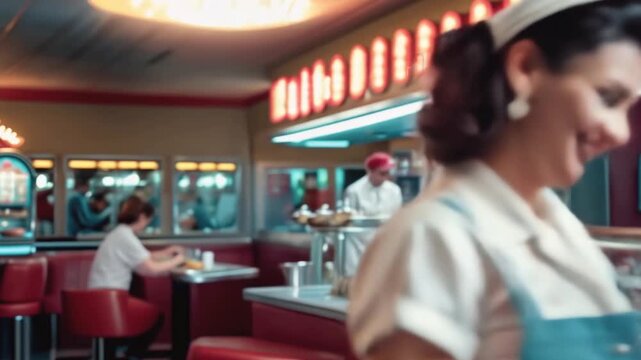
22 286
106 314
248 348
65 270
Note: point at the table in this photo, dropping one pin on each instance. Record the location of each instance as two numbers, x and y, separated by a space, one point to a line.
182 280
312 299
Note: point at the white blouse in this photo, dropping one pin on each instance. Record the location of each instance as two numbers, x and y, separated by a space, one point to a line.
376 201
425 273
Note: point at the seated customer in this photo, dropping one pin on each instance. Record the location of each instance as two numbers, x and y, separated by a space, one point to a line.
121 253
99 204
80 216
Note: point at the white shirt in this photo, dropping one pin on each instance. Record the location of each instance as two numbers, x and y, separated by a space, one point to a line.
425 273
374 201
367 200
116 259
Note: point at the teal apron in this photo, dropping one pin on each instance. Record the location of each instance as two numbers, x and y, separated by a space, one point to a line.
614 336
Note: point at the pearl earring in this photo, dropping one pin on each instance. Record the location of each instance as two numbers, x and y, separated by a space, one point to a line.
518 108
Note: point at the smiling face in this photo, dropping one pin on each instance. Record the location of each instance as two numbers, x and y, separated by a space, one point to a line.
577 113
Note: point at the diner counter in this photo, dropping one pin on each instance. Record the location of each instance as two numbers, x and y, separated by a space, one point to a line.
313 300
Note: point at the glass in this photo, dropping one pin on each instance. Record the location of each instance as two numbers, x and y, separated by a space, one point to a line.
410 186
288 189
206 197
193 254
346 176
45 195
16 198
97 188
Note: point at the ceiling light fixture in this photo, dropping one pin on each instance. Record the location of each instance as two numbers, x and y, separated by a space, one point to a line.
327 144
351 124
217 14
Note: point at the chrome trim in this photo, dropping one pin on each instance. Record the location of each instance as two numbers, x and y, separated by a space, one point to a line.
619 245
300 240
220 272
93 244
314 300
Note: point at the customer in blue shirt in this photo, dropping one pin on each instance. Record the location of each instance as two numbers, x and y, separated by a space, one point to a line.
80 217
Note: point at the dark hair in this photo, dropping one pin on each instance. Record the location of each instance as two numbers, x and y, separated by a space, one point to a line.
132 208
471 92
81 181
100 196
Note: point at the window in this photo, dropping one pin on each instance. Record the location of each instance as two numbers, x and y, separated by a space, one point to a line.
45 195
97 187
287 189
206 197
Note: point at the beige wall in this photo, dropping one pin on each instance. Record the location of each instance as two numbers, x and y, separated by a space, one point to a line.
128 130
159 132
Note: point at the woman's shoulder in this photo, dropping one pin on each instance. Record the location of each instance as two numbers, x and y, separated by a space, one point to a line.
430 210
429 225
418 254
119 233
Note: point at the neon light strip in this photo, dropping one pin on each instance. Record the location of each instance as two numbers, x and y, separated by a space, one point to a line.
328 144
351 124
9 250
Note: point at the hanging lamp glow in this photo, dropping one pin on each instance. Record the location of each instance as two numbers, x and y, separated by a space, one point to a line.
9 138
217 14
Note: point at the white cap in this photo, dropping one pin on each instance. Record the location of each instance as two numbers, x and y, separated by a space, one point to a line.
510 22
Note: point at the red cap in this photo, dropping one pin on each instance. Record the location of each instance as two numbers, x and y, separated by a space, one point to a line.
379 161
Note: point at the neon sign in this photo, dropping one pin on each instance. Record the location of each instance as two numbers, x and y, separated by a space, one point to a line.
338 88
358 70
408 56
401 56
379 65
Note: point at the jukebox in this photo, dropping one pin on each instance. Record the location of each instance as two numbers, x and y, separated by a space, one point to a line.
17 205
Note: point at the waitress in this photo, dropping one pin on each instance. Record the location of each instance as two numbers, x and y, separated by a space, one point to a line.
373 196
489 263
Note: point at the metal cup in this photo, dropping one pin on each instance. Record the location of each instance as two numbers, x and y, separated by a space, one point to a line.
297 273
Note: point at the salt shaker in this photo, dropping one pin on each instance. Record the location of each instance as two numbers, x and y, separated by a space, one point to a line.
208 260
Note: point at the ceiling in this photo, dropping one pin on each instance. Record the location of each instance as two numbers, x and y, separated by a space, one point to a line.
67 44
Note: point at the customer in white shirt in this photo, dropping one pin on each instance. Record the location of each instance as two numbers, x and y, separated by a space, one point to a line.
121 253
373 195
488 264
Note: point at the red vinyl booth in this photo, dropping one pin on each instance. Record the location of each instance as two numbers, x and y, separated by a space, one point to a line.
247 348
22 285
106 314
